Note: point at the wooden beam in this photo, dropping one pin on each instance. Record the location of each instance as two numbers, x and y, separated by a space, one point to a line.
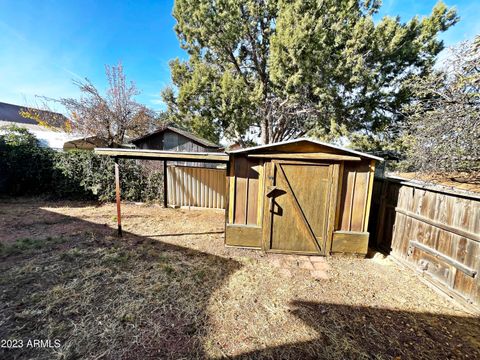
350 242
117 193
309 156
333 199
261 192
267 212
165 184
163 155
231 191
243 235
371 177
339 197
454 230
441 256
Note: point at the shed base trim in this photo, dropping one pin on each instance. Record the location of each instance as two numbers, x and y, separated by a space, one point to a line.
350 242
248 236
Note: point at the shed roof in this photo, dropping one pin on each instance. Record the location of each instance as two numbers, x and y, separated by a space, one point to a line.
188 135
307 140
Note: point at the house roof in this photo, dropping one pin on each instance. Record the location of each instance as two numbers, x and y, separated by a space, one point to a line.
272 146
188 135
11 113
88 143
84 142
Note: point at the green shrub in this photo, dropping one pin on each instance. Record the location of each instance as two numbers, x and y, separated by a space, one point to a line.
26 168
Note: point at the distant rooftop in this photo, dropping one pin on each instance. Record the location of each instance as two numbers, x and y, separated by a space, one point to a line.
187 134
11 113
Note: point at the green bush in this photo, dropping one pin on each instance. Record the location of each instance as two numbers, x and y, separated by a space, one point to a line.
26 168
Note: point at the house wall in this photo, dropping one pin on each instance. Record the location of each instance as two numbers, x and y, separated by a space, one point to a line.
53 139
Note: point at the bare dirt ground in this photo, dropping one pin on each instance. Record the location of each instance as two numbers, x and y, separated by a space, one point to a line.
170 289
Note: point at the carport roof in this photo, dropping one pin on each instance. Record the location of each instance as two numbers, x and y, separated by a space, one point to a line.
163 155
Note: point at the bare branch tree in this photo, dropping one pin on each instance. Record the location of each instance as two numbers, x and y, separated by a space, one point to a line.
111 117
444 121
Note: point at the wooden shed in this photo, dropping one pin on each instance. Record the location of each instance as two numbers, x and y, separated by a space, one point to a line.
300 196
171 138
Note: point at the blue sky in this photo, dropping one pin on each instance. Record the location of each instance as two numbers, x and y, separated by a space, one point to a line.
44 44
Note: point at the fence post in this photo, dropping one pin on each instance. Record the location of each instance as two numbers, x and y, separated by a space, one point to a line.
165 184
117 193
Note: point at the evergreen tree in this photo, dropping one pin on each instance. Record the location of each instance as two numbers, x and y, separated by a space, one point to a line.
285 68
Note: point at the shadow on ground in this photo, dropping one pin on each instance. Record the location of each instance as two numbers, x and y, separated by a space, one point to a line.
104 297
140 298
356 332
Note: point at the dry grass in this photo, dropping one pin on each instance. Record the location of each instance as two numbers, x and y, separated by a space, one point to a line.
184 295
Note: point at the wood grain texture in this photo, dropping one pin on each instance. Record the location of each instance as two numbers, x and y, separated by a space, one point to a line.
261 192
243 236
353 197
289 231
359 198
339 196
350 242
371 176
231 191
299 218
269 169
446 223
163 155
333 200
307 156
246 190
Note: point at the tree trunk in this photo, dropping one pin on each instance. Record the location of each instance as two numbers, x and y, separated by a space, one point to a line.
265 131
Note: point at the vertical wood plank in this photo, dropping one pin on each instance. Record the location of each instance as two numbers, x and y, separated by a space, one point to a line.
231 196
165 185
339 197
261 193
117 193
437 207
332 210
371 176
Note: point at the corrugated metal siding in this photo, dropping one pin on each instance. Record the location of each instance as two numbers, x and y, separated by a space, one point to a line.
196 186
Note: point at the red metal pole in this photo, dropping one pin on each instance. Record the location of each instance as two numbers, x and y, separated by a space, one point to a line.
117 191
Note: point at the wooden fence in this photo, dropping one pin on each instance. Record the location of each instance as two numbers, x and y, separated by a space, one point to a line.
196 186
431 229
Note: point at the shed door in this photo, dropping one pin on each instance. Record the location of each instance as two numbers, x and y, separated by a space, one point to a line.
297 206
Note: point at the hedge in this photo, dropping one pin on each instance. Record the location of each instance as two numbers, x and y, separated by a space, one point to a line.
26 168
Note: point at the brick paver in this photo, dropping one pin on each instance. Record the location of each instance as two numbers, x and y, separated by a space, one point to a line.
316 265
